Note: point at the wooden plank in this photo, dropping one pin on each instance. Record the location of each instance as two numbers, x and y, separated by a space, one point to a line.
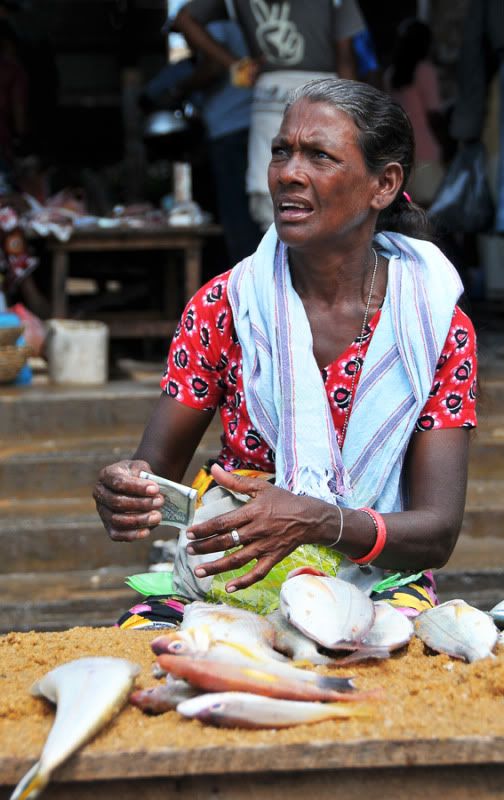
413 783
313 756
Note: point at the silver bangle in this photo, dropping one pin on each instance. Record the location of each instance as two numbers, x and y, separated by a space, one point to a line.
336 541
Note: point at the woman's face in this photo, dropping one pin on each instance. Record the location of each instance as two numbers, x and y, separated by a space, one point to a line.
318 180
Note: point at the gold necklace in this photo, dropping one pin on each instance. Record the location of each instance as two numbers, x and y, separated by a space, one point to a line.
358 366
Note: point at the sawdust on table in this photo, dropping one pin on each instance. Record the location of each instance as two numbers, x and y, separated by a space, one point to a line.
425 695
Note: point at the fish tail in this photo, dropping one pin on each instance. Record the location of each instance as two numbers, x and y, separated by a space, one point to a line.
350 710
31 784
335 684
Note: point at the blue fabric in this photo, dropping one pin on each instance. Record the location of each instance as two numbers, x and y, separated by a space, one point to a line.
226 108
422 291
285 395
223 107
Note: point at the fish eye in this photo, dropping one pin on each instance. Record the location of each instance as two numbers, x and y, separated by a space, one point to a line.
216 707
176 646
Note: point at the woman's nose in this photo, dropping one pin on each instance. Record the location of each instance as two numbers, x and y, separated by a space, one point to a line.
291 170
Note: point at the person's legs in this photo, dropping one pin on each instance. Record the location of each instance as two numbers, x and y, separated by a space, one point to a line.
229 163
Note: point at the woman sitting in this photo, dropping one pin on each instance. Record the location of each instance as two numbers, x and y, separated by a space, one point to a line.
340 363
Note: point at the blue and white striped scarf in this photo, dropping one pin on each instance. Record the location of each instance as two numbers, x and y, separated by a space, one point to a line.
284 390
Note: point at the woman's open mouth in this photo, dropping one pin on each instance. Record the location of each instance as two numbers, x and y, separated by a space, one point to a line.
294 210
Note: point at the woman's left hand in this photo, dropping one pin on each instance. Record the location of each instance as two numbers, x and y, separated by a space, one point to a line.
270 526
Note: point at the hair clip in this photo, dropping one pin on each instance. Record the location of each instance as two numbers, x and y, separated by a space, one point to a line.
407 197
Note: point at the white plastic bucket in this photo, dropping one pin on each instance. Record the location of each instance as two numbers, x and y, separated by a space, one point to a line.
77 351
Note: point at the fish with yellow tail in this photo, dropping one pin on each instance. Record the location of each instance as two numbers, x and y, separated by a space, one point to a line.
243 710
87 692
206 624
218 676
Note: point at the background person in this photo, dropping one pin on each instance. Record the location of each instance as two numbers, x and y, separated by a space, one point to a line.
225 110
339 361
413 83
289 44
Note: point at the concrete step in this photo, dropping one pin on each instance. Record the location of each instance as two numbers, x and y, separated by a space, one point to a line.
70 462
31 411
54 601
62 534
61 600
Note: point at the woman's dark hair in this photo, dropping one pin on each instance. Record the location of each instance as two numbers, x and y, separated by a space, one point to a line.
384 135
412 45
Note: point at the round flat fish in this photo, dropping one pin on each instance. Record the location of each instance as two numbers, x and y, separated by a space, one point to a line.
458 629
330 611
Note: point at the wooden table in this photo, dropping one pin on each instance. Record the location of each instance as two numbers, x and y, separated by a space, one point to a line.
465 768
188 239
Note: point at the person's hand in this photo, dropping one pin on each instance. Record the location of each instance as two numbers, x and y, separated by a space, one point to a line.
244 72
270 527
128 505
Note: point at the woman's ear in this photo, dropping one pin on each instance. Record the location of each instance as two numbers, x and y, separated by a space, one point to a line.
390 181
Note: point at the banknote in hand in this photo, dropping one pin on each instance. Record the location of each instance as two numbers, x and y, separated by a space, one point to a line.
180 501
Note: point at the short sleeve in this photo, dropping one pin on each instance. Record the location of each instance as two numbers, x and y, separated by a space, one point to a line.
200 347
347 18
452 399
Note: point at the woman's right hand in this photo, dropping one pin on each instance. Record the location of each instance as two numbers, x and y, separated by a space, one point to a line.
128 505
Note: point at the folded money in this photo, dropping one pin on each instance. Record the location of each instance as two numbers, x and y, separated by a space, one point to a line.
180 501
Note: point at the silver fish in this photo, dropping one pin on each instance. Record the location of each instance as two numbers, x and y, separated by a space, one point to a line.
88 692
458 629
164 697
292 642
206 625
244 710
237 637
330 611
390 631
497 614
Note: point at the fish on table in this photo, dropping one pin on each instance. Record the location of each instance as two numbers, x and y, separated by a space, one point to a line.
458 629
390 631
219 676
243 710
165 697
88 692
497 614
328 610
249 658
296 645
205 625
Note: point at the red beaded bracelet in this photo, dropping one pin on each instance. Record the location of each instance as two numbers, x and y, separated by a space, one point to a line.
381 537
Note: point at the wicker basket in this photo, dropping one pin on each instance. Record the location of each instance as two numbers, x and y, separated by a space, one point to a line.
12 359
10 335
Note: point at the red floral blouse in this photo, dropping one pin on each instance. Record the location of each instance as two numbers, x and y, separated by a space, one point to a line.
204 370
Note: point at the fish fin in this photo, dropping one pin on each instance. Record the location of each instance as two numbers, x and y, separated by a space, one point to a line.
336 684
302 663
31 784
363 655
351 710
